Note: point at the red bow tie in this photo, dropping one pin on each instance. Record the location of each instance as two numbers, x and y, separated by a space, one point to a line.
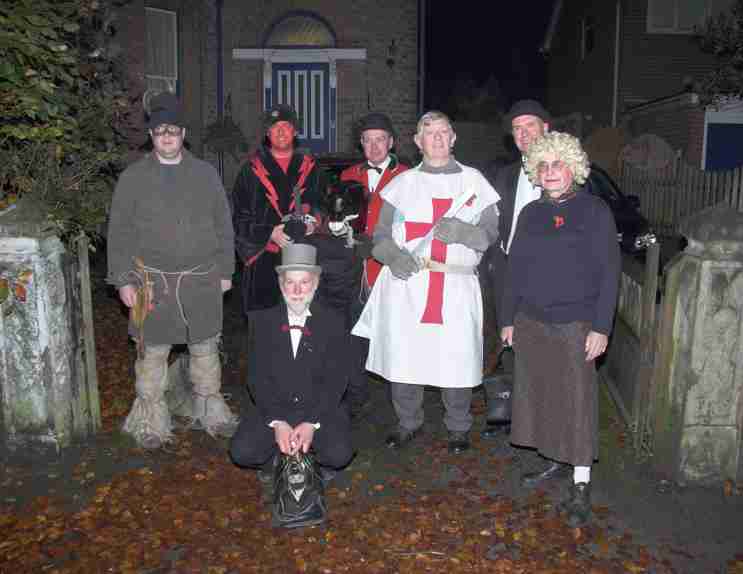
305 331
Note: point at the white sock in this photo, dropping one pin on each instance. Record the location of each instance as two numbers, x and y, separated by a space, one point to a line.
581 474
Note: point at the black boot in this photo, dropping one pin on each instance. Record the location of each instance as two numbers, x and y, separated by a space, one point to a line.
578 504
553 470
459 441
491 432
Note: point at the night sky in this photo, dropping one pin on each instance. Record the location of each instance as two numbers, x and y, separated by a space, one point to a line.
492 38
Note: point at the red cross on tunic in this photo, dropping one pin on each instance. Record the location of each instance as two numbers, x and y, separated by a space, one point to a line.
413 230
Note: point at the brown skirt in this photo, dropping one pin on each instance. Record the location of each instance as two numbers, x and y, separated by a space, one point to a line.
555 395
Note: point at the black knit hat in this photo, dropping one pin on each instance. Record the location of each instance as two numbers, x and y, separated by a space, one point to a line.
525 108
165 109
279 113
375 121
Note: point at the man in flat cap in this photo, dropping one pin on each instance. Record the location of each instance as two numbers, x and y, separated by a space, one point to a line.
171 256
297 373
527 121
264 200
377 138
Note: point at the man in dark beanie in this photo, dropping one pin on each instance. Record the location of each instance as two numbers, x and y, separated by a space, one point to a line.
377 138
526 121
171 256
264 203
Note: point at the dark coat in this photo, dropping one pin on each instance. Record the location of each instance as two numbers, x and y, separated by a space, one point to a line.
254 219
307 388
175 218
493 264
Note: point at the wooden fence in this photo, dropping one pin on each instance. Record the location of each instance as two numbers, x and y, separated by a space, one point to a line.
668 196
630 364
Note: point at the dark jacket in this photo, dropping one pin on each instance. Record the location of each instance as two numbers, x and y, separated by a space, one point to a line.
254 218
564 264
307 388
175 218
492 267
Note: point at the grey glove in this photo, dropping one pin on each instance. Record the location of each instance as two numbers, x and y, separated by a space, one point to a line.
362 246
401 262
453 230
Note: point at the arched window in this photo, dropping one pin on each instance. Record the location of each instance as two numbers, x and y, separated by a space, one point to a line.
300 29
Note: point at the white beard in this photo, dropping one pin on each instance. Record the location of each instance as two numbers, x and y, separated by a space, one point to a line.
299 307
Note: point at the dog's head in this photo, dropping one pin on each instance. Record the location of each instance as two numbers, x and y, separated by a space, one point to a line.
345 204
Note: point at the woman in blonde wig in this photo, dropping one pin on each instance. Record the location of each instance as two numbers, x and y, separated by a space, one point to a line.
559 301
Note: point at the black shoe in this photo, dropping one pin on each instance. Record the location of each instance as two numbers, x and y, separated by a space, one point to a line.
401 437
578 504
491 432
553 470
459 441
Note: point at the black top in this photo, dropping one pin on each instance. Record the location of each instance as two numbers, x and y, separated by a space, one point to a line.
564 264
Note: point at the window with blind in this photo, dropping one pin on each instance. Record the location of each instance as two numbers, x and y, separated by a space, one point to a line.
682 16
161 63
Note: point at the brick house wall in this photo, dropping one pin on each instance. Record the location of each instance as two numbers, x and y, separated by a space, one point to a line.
651 66
583 84
654 66
361 85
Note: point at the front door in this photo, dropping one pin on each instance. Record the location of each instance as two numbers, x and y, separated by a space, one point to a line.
305 87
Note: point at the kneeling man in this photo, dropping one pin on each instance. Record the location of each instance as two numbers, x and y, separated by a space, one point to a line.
297 373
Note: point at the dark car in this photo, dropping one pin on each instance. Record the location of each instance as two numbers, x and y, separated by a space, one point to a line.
633 230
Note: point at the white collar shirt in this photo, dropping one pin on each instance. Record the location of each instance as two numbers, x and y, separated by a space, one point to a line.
525 194
296 334
373 176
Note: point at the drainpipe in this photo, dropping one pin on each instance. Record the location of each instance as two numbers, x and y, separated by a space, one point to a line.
220 81
421 55
617 46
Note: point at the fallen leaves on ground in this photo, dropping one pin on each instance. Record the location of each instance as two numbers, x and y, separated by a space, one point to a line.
193 511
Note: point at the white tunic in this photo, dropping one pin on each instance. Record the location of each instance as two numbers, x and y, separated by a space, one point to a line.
417 334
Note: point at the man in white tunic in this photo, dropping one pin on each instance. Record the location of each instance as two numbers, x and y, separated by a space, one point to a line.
424 315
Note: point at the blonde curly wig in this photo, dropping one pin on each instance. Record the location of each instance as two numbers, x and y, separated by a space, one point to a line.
566 147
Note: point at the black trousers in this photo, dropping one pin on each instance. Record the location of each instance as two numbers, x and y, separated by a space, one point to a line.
254 442
357 393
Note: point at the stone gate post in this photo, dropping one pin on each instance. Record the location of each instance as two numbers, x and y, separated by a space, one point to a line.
45 395
698 406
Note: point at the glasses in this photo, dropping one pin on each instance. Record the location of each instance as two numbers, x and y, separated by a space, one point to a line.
557 165
165 129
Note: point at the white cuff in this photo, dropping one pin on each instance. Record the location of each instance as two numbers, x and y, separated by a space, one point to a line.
274 424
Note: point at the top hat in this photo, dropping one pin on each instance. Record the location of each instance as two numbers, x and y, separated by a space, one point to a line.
525 108
376 121
279 113
299 257
165 109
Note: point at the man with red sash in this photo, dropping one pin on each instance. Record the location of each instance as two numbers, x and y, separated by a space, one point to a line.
263 199
377 138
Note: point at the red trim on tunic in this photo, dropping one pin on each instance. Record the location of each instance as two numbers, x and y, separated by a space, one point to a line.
433 312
